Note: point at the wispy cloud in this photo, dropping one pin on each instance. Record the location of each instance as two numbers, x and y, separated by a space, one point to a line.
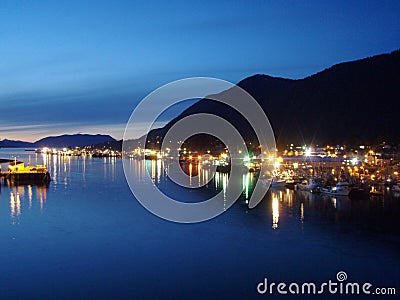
34 132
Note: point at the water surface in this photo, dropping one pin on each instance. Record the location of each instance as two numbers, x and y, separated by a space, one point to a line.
85 236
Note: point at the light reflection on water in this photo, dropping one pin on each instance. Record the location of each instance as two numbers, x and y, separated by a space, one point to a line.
24 197
298 203
88 209
63 169
275 211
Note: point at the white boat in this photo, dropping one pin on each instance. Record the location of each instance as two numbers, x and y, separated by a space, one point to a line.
342 188
312 185
276 182
396 188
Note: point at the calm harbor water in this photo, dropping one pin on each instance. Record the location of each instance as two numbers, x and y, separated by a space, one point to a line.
85 236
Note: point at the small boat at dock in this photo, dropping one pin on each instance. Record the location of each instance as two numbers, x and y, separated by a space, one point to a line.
18 173
312 185
376 190
396 188
342 188
277 183
290 183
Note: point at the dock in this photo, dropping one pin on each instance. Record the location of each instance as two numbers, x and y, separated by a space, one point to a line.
25 177
18 173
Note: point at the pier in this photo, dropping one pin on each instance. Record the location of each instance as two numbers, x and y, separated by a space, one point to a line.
18 173
25 177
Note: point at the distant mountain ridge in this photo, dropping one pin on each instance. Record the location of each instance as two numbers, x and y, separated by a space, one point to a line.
66 140
353 102
73 140
14 144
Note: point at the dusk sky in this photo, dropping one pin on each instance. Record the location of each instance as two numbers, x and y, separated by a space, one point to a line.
81 66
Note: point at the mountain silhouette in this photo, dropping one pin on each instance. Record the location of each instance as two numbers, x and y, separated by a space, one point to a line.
352 103
66 140
73 140
14 144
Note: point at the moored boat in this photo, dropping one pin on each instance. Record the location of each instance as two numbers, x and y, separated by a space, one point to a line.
292 182
396 188
313 185
277 182
376 190
342 188
18 173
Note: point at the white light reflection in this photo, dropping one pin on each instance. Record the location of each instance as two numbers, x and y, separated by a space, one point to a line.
84 168
18 205
12 205
159 162
275 211
221 182
246 185
153 170
289 198
17 194
190 173
334 202
30 195
199 172
104 167
224 187
217 178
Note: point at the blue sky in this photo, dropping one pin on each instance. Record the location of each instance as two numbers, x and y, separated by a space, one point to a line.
82 66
